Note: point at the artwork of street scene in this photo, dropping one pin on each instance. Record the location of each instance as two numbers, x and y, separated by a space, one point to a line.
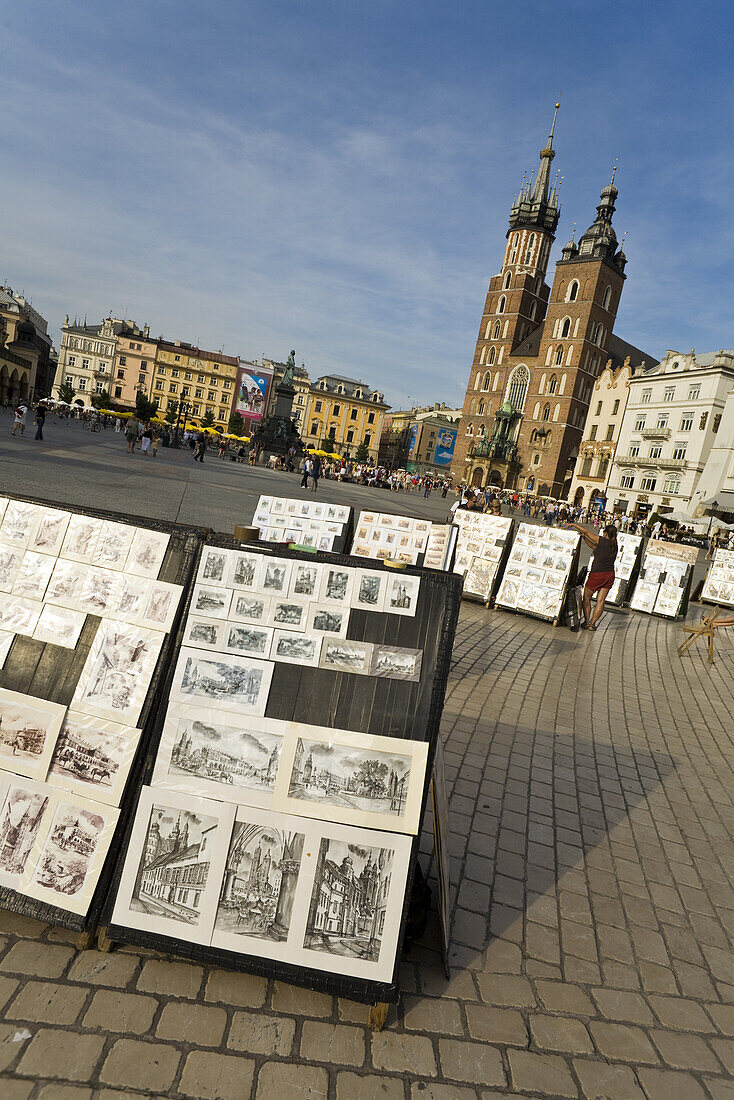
339 775
346 915
225 754
21 818
218 681
119 673
174 866
68 850
24 730
214 566
260 881
89 753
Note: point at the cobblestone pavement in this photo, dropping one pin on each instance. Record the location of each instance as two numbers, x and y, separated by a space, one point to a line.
591 816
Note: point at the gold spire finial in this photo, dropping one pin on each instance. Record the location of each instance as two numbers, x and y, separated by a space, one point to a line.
614 172
553 124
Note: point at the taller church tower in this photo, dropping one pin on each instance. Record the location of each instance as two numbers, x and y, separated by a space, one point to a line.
539 351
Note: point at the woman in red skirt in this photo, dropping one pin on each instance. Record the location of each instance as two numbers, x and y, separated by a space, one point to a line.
601 571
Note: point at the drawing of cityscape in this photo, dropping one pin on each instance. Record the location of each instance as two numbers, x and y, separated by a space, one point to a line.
68 849
20 821
85 754
260 881
23 731
346 915
343 776
174 865
212 679
226 754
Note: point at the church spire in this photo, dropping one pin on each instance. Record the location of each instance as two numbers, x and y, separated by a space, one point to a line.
540 190
537 204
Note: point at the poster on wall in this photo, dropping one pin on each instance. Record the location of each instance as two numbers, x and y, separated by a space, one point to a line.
253 390
445 446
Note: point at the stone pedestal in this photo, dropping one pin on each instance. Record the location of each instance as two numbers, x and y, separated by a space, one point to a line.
277 433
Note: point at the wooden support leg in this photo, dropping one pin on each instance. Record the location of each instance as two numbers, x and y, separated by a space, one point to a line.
104 943
378 1016
85 939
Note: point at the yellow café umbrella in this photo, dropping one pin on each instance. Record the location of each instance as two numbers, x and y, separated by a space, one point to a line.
336 456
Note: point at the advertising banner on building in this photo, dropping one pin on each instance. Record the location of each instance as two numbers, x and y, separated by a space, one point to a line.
445 446
412 438
253 390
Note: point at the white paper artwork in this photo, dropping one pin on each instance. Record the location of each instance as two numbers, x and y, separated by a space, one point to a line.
59 626
247 639
370 590
341 655
332 620
113 545
48 535
396 664
214 567
402 595
175 865
19 614
352 778
10 560
204 633
160 606
6 640
19 522
67 582
295 649
33 575
28 731
336 585
147 553
68 859
210 601
276 577
250 609
118 671
222 681
217 756
290 614
25 808
244 569
92 757
81 538
100 591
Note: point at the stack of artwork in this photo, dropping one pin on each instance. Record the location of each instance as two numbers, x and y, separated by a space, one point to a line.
63 770
306 522
719 584
628 552
661 584
440 546
249 611
538 570
384 536
479 550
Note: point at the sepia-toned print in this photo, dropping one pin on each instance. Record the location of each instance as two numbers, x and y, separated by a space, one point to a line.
147 553
396 664
59 626
10 560
175 864
33 575
260 879
28 731
346 656
161 605
67 582
21 817
48 536
100 591
81 538
117 674
296 649
222 681
19 522
211 601
113 545
68 850
19 614
93 757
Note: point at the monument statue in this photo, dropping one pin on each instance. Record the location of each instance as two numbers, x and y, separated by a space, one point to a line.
290 370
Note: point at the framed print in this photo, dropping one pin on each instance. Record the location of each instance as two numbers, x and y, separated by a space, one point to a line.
117 673
67 859
33 575
147 552
213 567
276 576
250 609
370 589
161 605
328 620
336 585
222 681
92 757
210 601
25 808
402 595
219 755
295 649
59 626
203 633
396 664
341 655
100 591
113 545
290 614
247 639
262 880
19 614
174 865
48 535
67 582
29 728
305 580
10 560
19 522
81 537
351 778
244 570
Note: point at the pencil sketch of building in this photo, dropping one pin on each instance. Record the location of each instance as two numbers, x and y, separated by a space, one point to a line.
328 622
174 867
369 590
260 881
21 818
244 570
214 566
348 907
401 596
20 736
226 754
401 664
275 576
243 639
64 861
294 647
211 600
86 756
305 580
337 583
343 776
346 656
215 680
206 633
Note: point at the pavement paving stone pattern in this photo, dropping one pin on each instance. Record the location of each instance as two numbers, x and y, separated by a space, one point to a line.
590 797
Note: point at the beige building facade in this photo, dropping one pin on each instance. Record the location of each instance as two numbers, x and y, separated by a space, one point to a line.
202 381
86 359
601 433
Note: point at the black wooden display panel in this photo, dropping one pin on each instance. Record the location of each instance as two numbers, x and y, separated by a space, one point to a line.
51 672
366 704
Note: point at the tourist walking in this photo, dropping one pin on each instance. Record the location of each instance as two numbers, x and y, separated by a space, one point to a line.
316 472
131 434
601 570
306 468
20 417
200 447
40 421
146 436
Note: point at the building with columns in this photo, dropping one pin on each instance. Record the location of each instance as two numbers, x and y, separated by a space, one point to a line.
541 349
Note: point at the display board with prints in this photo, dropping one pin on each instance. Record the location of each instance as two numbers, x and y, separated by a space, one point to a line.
312 523
290 769
87 604
718 586
388 537
538 570
479 551
665 579
625 565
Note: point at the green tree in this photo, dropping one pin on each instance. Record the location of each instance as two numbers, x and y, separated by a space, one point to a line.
102 400
66 392
171 412
145 409
236 424
207 419
363 452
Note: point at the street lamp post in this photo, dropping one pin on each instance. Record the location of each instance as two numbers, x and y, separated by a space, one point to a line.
183 410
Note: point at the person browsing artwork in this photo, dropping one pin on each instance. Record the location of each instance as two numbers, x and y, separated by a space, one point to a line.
601 570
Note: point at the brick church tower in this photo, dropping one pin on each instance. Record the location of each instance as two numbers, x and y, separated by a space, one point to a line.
540 350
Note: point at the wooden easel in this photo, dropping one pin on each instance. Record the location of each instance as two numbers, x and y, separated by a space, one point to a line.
705 629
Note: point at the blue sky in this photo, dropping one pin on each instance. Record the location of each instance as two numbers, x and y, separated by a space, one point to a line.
336 177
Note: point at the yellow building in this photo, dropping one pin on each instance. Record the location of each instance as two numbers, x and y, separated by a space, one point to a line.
204 381
133 367
340 414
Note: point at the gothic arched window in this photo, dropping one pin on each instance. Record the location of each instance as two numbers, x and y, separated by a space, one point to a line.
573 291
501 305
482 355
546 412
553 384
532 310
559 355
566 328
471 405
517 387
508 280
487 379
480 409
607 298
496 331
492 355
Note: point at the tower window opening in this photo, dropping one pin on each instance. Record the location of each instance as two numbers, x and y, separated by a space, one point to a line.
566 328
559 356
508 280
501 304
573 291
492 354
